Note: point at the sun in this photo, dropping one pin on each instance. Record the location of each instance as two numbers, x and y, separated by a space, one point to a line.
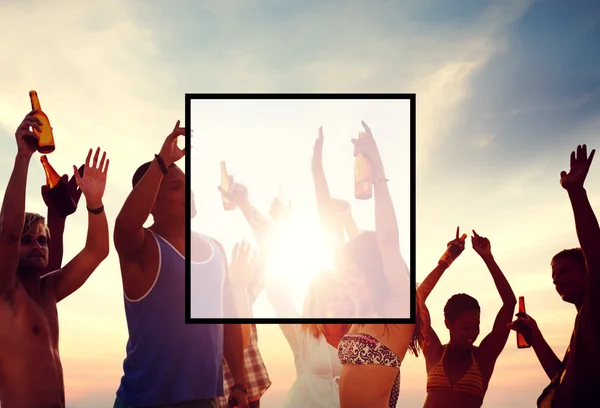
298 254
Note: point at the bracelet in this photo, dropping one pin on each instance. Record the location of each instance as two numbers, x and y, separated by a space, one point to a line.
240 387
380 180
96 210
161 164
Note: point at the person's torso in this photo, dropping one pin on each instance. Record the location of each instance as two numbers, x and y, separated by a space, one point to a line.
29 352
168 360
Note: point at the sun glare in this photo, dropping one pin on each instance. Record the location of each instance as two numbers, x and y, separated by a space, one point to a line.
299 253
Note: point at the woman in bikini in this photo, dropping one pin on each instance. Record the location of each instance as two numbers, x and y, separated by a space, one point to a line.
372 354
458 373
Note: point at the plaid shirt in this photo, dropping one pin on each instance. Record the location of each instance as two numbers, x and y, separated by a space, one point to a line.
257 377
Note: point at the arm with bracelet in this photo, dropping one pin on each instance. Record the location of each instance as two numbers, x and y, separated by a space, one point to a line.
74 274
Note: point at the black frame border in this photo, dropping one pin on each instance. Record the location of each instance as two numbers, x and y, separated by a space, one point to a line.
411 97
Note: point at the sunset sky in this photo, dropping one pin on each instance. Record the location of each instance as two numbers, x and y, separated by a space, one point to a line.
505 90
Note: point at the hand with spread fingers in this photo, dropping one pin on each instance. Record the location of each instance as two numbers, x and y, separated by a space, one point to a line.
27 140
93 182
481 245
170 152
580 165
243 265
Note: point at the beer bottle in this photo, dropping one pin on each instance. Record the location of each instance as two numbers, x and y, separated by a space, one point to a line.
228 187
452 251
523 332
58 190
46 138
363 176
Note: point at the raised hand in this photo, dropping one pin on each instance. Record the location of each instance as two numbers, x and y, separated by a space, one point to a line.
27 140
237 194
481 245
342 207
72 188
317 158
243 265
170 152
93 182
454 249
280 212
580 165
367 146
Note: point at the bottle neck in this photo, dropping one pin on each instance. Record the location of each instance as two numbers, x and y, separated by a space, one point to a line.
35 101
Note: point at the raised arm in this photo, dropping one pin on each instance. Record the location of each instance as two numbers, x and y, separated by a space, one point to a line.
432 347
586 224
56 221
12 216
386 224
129 226
75 273
345 215
330 221
262 227
242 267
493 344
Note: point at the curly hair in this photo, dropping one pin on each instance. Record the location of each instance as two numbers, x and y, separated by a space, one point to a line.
458 304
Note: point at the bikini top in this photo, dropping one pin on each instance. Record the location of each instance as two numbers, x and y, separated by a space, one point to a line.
470 383
361 349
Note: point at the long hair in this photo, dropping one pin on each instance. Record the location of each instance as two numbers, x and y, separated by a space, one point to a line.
320 287
362 252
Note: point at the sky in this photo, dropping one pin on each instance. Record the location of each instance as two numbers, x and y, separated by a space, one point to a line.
505 90
267 145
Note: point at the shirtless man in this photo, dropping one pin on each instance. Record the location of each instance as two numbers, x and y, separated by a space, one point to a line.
30 369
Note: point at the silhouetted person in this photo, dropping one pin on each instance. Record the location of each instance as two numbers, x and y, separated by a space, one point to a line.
575 380
458 373
30 369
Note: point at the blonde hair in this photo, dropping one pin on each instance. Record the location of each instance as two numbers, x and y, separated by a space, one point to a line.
317 291
32 220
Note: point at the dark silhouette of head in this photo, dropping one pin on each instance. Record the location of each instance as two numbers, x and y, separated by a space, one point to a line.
33 252
361 266
169 206
462 313
569 275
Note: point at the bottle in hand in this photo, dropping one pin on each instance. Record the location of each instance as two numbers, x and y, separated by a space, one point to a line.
523 332
452 251
227 186
363 176
46 138
58 190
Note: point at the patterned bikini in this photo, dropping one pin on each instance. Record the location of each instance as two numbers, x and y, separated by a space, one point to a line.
362 349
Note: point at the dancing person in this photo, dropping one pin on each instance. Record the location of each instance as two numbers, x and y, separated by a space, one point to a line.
318 368
574 381
56 221
247 284
30 370
374 267
458 373
169 362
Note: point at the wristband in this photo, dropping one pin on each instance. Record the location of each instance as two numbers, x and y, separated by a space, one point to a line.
161 164
96 210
